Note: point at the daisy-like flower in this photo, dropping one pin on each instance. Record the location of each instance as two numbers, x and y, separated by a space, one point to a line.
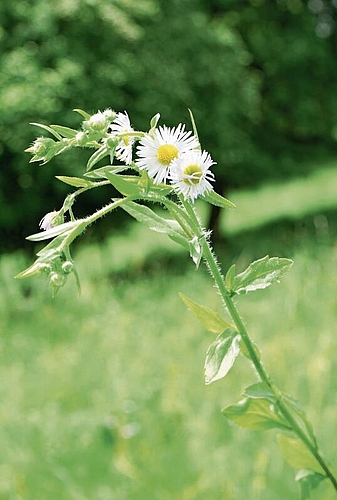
122 125
190 174
156 152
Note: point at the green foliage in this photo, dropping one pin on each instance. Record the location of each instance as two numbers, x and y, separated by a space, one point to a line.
99 396
266 110
221 355
209 319
259 275
257 414
297 454
308 480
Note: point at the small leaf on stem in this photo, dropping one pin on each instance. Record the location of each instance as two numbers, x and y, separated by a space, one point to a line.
261 274
308 481
255 414
216 199
75 181
297 455
221 355
209 319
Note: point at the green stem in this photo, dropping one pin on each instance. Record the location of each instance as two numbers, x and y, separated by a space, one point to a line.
264 377
83 223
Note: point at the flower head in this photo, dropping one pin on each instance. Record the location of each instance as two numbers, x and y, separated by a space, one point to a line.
122 125
157 151
190 174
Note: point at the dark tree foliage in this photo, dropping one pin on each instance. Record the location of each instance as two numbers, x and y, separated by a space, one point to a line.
259 76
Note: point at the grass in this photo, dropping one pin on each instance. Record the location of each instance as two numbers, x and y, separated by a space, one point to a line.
103 395
291 200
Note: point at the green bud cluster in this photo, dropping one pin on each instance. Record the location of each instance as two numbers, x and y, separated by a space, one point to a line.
57 270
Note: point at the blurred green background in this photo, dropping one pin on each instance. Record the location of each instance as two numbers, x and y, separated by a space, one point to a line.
103 395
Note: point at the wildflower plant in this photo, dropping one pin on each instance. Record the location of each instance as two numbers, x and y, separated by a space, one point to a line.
167 166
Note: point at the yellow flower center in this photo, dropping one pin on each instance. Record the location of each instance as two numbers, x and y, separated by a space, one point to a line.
166 154
126 140
194 172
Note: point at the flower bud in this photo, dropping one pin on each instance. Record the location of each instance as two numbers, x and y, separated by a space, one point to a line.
50 220
40 148
57 279
81 139
67 267
112 142
45 268
109 114
96 123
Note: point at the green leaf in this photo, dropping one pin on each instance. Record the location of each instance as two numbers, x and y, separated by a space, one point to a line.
297 455
100 173
30 271
217 200
209 319
261 274
98 155
75 181
49 129
154 121
64 131
85 115
230 277
195 130
55 231
221 355
294 405
260 390
308 480
156 223
125 185
195 250
255 414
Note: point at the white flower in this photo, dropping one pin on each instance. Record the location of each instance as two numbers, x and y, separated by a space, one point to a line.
122 125
157 151
50 220
190 174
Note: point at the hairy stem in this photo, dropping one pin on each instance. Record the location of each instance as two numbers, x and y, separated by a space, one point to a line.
228 302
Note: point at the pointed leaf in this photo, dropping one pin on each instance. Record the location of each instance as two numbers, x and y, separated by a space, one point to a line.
308 480
195 130
154 121
255 414
85 115
261 274
30 271
209 319
217 200
221 355
98 155
55 231
230 277
45 127
100 173
294 406
297 455
153 221
260 390
75 181
64 131
195 251
124 185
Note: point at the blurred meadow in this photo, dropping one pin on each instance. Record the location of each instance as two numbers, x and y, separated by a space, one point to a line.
103 394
